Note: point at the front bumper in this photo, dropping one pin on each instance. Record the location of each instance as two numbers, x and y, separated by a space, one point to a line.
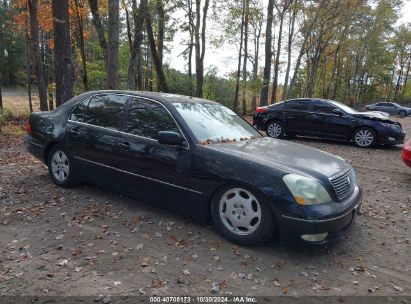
334 226
391 137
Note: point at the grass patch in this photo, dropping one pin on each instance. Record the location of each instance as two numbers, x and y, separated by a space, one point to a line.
12 123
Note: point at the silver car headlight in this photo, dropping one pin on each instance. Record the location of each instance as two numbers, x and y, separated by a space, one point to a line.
306 191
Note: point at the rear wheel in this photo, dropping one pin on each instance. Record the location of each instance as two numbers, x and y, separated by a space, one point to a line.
403 113
61 168
364 138
275 129
241 217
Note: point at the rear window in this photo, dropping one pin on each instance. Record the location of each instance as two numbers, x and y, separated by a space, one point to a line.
297 104
105 111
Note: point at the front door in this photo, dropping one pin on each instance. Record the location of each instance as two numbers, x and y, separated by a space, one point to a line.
155 171
326 123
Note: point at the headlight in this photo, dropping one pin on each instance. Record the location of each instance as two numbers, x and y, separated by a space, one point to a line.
388 125
306 191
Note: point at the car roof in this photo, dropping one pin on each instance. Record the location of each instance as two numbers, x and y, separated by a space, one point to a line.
158 96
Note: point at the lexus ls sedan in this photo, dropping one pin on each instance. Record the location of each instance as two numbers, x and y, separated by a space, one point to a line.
198 157
327 119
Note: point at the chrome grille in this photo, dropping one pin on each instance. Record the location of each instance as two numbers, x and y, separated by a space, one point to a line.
344 183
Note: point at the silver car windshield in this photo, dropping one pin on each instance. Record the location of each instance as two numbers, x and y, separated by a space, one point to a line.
212 122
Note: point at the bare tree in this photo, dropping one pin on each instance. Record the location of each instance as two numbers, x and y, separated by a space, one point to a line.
161 79
134 69
112 51
268 54
62 51
35 48
98 25
200 47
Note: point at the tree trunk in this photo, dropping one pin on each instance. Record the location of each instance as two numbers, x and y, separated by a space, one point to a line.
28 70
240 49
34 32
62 52
134 76
1 95
160 34
161 80
406 77
245 59
200 47
112 51
129 37
277 60
190 47
268 54
81 45
289 49
93 4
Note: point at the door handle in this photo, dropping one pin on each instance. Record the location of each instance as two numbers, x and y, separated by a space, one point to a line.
125 145
75 132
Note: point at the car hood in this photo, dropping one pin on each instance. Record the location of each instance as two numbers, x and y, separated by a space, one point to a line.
374 115
285 156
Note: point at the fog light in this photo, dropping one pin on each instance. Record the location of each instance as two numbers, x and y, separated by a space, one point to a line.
314 237
391 138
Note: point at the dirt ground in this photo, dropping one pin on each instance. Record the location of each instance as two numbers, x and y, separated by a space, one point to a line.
91 241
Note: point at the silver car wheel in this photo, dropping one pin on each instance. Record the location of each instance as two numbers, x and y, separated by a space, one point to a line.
60 166
364 138
274 130
240 211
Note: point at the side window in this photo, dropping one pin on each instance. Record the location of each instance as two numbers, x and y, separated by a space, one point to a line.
297 105
322 107
105 111
147 118
79 111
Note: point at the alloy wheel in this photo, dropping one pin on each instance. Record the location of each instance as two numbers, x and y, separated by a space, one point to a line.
364 138
274 130
60 166
240 211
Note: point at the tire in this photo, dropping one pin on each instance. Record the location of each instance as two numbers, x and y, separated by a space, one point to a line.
364 137
234 206
403 114
275 129
61 168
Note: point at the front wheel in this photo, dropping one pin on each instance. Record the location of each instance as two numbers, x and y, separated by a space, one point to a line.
61 168
403 114
241 217
364 138
275 129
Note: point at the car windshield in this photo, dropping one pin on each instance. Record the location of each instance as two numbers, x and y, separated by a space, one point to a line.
343 107
212 122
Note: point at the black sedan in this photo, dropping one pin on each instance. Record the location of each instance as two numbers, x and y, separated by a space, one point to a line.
198 157
327 119
390 108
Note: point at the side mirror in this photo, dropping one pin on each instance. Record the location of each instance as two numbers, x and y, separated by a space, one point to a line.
170 138
338 112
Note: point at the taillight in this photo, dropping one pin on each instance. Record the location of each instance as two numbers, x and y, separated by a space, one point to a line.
28 127
261 110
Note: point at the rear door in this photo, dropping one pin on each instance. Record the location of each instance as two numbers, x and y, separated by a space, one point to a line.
155 171
297 116
94 137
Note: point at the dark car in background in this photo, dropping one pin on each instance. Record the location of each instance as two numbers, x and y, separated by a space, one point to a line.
327 119
390 108
199 157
